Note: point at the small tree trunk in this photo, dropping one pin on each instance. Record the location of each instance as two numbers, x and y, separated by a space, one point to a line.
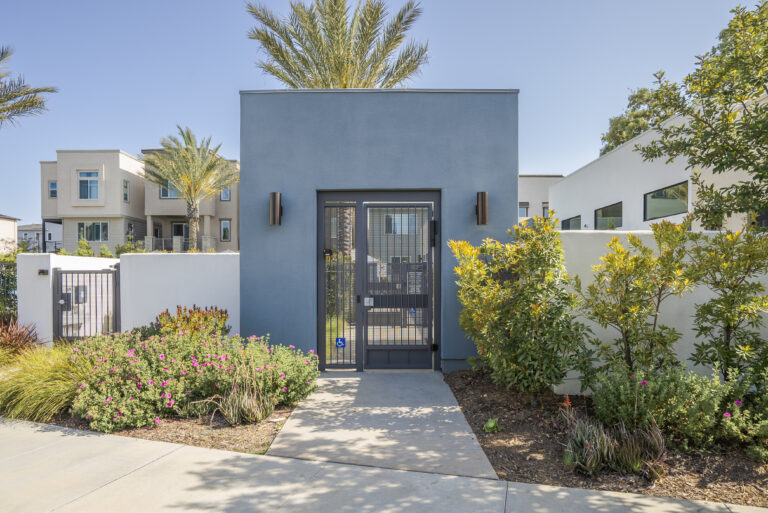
193 216
627 352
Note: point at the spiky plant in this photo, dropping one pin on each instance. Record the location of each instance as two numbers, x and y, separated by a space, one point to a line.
17 98
319 46
196 171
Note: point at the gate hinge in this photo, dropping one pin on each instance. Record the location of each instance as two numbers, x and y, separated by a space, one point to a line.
434 347
433 228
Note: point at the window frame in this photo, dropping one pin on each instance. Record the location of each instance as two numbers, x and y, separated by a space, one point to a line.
645 204
89 180
227 188
54 190
608 206
562 223
545 210
126 190
168 188
390 226
102 231
221 229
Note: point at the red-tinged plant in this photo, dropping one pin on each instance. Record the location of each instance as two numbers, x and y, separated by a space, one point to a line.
16 338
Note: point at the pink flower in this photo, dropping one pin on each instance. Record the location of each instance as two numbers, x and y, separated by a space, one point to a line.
292 347
157 419
282 374
151 382
738 403
285 389
309 383
131 399
631 376
75 349
109 399
311 351
183 372
170 403
164 383
644 383
726 415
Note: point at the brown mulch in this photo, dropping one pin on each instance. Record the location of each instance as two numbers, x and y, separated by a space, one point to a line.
201 432
532 440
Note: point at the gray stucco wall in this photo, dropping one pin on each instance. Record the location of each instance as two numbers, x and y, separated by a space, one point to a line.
301 142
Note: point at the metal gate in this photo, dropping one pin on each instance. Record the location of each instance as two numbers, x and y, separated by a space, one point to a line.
85 303
378 269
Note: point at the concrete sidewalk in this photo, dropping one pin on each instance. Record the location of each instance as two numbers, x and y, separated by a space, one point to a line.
45 468
395 420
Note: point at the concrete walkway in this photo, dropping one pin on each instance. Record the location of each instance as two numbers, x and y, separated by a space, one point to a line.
394 420
45 468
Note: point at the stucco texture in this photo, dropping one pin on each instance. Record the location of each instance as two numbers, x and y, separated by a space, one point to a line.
302 142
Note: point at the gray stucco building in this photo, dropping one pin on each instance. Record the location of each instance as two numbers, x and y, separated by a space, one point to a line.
351 259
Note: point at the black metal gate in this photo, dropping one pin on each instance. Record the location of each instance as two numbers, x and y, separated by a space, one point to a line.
85 303
378 306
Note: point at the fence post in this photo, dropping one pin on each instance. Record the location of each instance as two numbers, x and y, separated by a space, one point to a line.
116 298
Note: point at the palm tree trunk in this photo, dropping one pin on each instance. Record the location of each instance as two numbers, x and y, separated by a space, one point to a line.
193 217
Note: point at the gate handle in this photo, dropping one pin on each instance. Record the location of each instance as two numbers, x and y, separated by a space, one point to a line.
61 301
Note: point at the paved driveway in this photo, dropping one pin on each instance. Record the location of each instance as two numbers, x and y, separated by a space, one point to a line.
395 420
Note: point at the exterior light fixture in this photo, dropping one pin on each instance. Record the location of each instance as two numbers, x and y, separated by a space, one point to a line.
275 209
481 209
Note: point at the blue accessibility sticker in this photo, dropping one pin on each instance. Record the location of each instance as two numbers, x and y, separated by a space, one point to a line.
412 310
341 342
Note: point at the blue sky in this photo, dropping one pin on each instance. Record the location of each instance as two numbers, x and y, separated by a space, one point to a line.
128 72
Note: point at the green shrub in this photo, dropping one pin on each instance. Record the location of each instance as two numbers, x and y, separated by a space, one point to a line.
516 307
626 294
685 405
83 249
130 247
104 252
194 320
40 384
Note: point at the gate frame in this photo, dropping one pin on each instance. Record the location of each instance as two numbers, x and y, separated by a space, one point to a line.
57 291
360 197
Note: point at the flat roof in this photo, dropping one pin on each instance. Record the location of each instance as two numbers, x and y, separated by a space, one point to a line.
541 175
379 90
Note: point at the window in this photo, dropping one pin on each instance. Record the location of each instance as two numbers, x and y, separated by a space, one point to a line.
49 236
522 209
545 210
53 191
89 185
168 191
225 232
37 236
225 194
572 223
93 232
608 218
126 191
666 202
400 224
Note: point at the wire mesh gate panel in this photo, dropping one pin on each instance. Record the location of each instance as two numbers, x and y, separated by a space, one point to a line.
376 290
85 303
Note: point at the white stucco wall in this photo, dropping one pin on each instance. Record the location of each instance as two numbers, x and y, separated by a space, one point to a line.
534 189
152 282
583 250
35 290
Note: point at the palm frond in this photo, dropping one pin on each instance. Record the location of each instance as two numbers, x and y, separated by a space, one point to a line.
18 99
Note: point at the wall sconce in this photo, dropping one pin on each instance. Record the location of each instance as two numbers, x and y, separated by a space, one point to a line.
481 209
275 209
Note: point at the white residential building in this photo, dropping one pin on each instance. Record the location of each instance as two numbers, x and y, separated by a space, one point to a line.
621 191
8 234
33 235
533 195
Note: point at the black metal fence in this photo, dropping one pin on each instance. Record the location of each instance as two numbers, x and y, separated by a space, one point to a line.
86 303
8 298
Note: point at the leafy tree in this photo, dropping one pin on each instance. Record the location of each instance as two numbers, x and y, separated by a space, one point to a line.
723 118
631 123
626 294
83 249
196 171
319 46
17 98
104 252
516 307
731 264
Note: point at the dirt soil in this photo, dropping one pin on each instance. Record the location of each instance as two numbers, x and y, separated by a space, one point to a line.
532 440
200 432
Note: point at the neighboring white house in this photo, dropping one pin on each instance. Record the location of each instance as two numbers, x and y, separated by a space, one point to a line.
621 191
33 234
102 196
533 195
8 236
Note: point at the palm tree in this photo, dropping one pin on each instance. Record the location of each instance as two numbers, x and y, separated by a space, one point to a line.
320 47
197 172
17 98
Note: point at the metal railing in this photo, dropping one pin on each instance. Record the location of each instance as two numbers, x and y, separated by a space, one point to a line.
8 298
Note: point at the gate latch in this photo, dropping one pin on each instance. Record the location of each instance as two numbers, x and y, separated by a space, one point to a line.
434 347
327 252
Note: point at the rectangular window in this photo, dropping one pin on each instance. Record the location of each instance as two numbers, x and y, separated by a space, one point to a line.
226 194
226 234
608 218
522 209
89 185
665 202
545 210
400 224
93 232
168 191
126 191
572 223
53 189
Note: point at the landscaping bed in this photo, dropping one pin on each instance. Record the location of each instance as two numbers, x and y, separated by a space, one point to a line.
531 444
201 432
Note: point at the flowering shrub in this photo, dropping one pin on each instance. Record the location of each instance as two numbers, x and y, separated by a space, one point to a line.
210 320
137 381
